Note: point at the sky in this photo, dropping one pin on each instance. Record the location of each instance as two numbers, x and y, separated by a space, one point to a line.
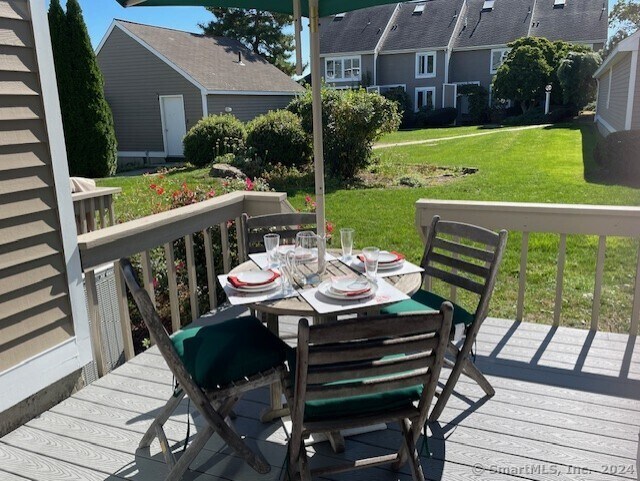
99 14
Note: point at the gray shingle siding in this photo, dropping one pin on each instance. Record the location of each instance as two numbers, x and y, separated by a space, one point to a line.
614 112
430 29
401 69
133 84
246 107
471 66
635 119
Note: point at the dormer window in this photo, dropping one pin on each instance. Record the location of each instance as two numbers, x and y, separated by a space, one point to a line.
338 17
425 64
418 9
487 6
559 3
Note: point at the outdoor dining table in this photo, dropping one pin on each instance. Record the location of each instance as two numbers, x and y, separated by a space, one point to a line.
297 306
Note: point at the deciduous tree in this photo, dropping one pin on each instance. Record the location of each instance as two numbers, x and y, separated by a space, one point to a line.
576 77
624 19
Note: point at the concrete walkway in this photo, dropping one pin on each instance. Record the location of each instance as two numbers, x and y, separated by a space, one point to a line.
478 134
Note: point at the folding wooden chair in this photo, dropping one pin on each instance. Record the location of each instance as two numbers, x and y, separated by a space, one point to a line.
287 225
467 257
363 372
214 366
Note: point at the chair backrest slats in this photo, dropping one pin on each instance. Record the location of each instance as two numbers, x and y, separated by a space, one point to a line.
376 367
460 265
469 251
371 349
287 225
370 355
468 231
370 386
455 279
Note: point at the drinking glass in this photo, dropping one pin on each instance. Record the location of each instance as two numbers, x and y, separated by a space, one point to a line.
310 250
346 238
371 255
271 243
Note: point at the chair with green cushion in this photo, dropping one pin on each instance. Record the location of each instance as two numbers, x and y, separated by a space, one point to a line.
363 372
214 366
467 257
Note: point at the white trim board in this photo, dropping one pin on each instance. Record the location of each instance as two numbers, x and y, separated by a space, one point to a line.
252 92
606 124
629 44
347 54
412 50
632 90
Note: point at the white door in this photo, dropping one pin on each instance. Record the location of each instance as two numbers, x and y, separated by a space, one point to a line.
174 124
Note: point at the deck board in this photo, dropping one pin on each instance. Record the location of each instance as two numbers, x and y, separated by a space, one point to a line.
567 407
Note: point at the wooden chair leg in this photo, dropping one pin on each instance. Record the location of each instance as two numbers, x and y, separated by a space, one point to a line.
305 470
336 439
453 379
160 419
190 454
469 369
414 458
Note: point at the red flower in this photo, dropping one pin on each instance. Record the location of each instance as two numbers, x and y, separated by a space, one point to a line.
160 176
180 265
156 284
329 227
211 193
184 185
249 183
153 186
307 199
160 191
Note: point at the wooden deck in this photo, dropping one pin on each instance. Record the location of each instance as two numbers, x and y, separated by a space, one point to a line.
567 407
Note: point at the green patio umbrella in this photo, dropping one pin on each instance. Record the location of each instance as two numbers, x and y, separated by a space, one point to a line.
313 10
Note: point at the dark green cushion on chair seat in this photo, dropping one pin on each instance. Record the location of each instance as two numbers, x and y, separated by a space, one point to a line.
361 405
220 353
424 299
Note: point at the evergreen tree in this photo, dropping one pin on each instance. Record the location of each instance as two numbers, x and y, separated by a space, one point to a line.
260 32
86 116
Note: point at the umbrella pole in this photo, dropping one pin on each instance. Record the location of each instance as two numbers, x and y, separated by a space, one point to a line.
316 88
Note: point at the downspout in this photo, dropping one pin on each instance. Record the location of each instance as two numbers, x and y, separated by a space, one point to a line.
376 50
449 50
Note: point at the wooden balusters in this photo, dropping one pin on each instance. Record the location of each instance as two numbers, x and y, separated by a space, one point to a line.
635 311
522 276
562 251
597 286
147 275
240 240
172 280
211 273
191 274
96 321
224 239
123 310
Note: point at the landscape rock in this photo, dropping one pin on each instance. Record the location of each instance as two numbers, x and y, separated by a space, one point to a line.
225 170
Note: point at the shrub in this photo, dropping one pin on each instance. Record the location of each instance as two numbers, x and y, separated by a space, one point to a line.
618 154
561 114
531 117
283 178
401 97
213 136
441 117
478 97
278 137
352 121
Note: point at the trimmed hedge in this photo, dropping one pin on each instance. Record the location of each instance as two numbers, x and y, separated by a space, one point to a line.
277 137
213 136
441 117
618 154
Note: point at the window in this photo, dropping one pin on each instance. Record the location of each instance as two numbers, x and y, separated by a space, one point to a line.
338 17
418 9
558 3
425 64
425 97
498 56
342 69
487 6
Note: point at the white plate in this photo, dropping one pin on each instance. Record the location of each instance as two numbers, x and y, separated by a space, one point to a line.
254 277
387 257
349 284
325 290
304 257
257 289
391 265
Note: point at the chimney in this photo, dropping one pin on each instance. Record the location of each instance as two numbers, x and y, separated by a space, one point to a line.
240 62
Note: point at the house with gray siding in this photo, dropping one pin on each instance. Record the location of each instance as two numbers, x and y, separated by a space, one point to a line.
430 47
618 105
159 82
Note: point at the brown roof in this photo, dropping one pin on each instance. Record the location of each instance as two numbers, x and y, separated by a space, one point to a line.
213 61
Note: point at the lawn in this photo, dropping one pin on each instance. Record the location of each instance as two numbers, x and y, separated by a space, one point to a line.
536 165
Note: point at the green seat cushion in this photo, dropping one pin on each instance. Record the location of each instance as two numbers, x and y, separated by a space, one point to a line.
425 300
355 405
221 353
361 405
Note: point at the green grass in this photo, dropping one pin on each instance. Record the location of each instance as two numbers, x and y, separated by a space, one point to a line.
536 165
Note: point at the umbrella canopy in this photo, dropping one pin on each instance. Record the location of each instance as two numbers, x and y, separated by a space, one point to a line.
325 7
312 9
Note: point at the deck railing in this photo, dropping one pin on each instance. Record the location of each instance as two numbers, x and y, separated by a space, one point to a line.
560 219
141 236
94 209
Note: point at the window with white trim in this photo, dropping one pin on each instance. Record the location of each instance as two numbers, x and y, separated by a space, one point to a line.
425 64
425 97
498 56
342 69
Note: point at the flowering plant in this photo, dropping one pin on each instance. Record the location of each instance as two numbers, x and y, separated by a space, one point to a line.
310 206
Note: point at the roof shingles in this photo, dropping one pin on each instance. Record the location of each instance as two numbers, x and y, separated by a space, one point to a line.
213 61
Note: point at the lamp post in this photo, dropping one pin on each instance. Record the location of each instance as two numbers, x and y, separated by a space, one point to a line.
547 102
